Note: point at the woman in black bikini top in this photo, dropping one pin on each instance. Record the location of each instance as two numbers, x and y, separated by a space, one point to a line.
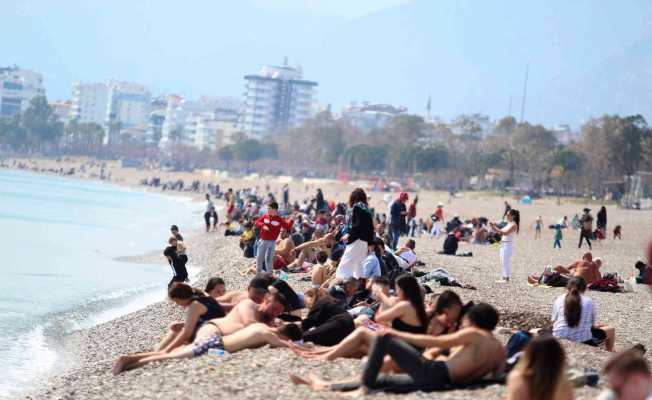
200 308
409 306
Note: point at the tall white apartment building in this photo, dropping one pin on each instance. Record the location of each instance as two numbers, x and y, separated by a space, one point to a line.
276 99
114 105
177 113
89 103
17 88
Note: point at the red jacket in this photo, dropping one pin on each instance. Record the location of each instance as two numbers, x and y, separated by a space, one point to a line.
274 223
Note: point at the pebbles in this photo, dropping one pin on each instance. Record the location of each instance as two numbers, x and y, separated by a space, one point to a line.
262 373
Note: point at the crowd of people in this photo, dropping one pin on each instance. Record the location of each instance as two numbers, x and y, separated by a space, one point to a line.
368 297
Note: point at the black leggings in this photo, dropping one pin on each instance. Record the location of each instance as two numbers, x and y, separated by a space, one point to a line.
585 234
419 372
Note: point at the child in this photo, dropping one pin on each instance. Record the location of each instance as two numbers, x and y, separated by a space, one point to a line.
617 232
558 237
247 239
270 226
538 224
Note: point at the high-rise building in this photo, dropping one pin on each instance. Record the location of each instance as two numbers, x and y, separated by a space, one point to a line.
17 88
276 98
114 105
89 103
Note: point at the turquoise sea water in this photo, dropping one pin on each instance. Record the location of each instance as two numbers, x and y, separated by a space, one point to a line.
59 240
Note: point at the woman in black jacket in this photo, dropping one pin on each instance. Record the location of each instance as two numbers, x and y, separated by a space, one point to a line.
359 237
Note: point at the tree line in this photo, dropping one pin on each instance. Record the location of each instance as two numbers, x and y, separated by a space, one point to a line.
608 148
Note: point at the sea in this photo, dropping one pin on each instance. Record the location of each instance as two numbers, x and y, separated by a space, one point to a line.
60 239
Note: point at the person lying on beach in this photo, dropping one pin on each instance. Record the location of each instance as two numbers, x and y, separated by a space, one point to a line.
628 376
586 268
474 353
406 256
574 318
212 332
327 322
215 287
200 308
533 377
256 291
446 315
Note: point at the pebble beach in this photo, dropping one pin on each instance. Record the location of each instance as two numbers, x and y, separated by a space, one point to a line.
263 373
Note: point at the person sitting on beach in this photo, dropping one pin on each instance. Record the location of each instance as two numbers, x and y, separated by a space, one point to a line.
327 322
406 256
200 308
474 353
574 318
586 268
307 250
408 314
533 378
177 260
451 244
247 240
256 291
644 273
319 272
212 333
347 292
215 287
284 251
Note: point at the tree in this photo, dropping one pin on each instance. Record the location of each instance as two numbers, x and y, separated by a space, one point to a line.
40 123
432 158
11 131
365 158
225 154
248 150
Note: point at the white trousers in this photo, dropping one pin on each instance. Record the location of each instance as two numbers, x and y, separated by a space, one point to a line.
351 262
505 258
436 229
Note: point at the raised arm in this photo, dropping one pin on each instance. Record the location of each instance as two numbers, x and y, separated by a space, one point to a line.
396 311
465 336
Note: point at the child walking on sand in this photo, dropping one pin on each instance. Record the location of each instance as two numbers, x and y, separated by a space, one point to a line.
270 225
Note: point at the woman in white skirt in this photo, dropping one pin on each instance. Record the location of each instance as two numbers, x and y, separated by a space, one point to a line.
508 233
359 237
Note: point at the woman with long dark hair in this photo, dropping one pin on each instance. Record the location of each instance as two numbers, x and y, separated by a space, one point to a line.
540 373
359 237
574 318
200 308
508 232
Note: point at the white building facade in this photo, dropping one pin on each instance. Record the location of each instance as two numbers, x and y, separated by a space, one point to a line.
276 99
17 88
367 116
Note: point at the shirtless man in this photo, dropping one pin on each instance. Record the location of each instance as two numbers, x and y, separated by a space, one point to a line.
474 353
587 268
308 250
211 334
256 292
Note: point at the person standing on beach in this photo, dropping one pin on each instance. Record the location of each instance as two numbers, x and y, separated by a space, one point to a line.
270 225
397 225
320 203
412 215
601 221
360 235
586 227
286 196
174 230
558 237
438 220
210 213
507 240
177 260
538 225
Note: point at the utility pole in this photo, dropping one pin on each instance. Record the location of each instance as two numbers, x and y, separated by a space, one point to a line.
527 70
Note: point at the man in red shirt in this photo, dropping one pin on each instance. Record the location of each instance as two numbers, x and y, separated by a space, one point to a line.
270 226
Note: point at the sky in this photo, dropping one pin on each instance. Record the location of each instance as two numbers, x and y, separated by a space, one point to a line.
586 57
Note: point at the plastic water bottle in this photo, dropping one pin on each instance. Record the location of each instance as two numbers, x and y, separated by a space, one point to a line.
283 276
216 352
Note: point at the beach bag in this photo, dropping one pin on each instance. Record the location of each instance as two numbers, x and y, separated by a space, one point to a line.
514 349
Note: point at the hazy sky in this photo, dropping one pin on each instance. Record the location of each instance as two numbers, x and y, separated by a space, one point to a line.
587 57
